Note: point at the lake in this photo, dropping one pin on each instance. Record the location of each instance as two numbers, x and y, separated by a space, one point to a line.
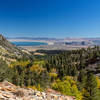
29 43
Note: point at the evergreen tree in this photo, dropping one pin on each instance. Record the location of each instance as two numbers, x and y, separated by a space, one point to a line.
82 79
91 88
3 70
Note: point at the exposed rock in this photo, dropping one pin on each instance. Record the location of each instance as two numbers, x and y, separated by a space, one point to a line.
9 91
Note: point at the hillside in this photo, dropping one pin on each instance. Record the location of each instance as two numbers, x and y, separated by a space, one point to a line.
9 52
72 73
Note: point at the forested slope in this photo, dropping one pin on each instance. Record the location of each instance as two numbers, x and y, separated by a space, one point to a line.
74 72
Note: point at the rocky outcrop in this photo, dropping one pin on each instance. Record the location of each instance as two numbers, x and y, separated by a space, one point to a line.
9 91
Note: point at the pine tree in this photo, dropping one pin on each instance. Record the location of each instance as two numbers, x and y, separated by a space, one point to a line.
91 88
82 79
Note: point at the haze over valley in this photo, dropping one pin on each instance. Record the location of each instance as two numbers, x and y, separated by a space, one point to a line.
54 43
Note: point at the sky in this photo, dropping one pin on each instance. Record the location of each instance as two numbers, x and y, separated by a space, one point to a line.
50 18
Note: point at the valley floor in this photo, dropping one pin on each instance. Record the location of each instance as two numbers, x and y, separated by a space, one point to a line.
53 47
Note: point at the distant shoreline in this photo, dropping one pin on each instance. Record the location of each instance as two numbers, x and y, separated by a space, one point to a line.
29 40
52 44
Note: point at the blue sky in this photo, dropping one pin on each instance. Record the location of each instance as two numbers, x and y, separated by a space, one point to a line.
50 18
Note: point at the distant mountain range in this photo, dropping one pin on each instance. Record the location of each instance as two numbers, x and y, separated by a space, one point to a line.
32 38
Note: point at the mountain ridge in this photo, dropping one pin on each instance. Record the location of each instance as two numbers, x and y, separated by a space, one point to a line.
9 51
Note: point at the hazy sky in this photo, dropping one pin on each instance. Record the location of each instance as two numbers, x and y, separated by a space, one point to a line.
50 18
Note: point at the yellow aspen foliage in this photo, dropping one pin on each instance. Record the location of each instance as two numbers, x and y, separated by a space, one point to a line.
53 70
67 87
40 63
32 87
38 87
37 66
20 63
85 93
98 82
53 76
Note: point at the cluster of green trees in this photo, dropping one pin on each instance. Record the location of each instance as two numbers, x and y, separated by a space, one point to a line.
27 73
71 62
66 72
